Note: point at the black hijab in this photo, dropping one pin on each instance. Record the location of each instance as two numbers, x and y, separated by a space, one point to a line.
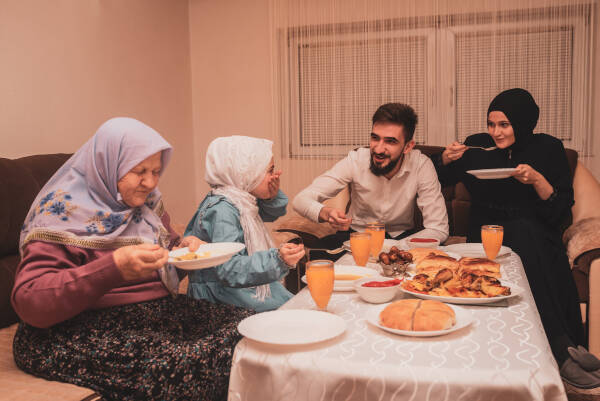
521 110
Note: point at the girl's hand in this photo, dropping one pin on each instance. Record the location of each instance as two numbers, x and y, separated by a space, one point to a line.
191 241
274 184
140 261
453 152
291 253
526 174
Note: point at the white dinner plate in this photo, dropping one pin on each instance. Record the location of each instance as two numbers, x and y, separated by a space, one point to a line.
492 173
463 319
217 253
348 285
473 250
292 326
387 245
515 290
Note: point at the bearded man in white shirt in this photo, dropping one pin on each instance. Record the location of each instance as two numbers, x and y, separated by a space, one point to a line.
385 180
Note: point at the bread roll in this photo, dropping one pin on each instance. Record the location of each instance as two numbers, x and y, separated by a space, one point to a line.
479 266
417 315
419 254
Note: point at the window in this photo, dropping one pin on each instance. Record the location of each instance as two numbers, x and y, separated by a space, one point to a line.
447 68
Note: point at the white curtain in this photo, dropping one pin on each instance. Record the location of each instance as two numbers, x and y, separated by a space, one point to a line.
335 62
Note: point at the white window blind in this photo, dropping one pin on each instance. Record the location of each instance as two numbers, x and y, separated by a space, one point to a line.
448 68
541 62
341 89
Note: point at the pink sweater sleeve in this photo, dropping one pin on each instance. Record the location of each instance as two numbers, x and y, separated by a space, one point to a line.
52 284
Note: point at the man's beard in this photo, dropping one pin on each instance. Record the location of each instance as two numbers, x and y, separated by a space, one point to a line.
384 170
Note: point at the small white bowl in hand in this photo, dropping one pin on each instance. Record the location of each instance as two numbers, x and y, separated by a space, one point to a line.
422 242
376 295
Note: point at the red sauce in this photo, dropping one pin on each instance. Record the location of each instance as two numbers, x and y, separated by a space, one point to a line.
388 283
422 240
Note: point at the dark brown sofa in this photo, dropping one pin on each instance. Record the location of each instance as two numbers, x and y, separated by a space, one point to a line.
21 180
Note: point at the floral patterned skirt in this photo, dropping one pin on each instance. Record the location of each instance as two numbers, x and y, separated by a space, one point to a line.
168 349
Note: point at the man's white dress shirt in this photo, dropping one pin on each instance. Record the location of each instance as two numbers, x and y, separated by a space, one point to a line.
391 201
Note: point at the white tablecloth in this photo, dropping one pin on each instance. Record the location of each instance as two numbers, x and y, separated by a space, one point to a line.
503 355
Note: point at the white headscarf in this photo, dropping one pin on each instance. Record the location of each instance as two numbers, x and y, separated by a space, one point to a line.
235 166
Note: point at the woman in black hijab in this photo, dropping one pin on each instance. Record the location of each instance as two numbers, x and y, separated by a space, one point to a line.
534 207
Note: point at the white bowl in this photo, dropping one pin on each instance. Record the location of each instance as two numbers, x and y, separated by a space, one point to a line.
375 295
431 243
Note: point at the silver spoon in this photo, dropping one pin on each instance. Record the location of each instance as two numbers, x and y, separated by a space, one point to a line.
483 148
329 251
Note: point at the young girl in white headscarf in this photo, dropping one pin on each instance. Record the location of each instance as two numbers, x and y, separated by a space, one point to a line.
245 193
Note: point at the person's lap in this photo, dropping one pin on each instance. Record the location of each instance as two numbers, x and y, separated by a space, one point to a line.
166 348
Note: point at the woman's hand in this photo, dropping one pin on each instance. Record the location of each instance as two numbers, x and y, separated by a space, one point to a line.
526 174
291 253
140 261
453 152
191 241
274 184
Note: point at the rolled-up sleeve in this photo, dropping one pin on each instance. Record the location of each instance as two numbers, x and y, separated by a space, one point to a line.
308 202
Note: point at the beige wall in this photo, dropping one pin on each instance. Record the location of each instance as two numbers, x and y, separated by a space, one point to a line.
230 73
68 65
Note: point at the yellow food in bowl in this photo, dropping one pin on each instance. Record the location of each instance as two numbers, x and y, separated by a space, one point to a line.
192 256
347 277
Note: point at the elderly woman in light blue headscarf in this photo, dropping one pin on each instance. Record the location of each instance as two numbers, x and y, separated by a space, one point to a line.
245 193
97 300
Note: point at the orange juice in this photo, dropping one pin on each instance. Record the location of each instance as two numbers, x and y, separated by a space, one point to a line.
320 276
360 245
491 237
377 231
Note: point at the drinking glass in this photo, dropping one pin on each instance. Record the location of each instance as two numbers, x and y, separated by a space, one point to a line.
360 245
377 231
320 276
491 237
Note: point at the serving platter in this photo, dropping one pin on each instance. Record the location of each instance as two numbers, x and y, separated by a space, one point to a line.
515 291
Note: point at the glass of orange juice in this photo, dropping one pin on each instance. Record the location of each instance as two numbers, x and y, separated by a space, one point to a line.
320 276
491 237
360 246
377 231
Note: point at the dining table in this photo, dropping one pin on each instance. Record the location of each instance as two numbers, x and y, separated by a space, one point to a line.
503 354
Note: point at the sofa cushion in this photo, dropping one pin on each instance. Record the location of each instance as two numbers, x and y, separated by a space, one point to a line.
18 385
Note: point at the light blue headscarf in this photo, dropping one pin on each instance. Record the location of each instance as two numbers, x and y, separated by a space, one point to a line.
81 206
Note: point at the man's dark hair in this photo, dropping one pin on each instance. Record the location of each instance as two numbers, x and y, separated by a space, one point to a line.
400 114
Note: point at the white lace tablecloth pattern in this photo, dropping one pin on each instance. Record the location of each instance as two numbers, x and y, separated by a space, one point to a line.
503 355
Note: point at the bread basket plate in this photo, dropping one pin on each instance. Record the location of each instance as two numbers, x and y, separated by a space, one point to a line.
492 173
473 250
218 253
463 319
348 285
515 291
